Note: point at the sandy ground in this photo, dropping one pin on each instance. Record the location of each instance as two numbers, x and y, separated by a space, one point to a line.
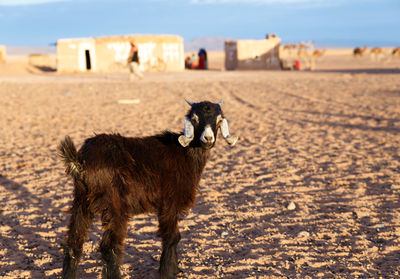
311 190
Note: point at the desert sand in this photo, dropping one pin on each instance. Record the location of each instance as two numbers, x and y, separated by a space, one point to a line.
311 189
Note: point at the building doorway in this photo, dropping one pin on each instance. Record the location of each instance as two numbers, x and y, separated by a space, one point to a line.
88 63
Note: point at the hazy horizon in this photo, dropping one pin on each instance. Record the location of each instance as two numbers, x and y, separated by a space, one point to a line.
188 47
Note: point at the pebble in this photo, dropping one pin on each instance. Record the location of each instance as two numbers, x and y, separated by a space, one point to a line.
291 206
380 226
224 234
395 187
303 234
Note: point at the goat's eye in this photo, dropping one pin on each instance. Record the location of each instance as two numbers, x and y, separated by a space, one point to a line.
195 119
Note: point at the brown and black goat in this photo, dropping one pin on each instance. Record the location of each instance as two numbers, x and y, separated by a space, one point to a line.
117 177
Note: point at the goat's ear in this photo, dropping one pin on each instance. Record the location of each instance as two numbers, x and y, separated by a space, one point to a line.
184 141
189 102
188 133
225 133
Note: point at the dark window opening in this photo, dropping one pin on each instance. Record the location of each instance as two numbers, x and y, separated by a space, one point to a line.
88 65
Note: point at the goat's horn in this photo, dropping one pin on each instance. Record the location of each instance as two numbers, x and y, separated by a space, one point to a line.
225 133
221 102
188 133
189 102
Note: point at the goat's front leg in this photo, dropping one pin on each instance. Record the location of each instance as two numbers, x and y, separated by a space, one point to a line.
111 246
168 230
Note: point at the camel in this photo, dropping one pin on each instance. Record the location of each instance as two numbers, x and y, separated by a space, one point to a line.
287 47
376 53
376 50
306 57
359 51
301 52
318 53
396 52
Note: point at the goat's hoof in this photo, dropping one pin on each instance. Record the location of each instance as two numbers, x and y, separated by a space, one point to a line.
70 263
111 272
69 268
110 265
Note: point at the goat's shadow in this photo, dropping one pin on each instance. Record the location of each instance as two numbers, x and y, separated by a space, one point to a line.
35 239
141 254
141 257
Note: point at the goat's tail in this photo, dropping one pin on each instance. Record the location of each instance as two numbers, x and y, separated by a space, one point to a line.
68 153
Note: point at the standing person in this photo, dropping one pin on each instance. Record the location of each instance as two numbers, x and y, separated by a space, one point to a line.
205 60
133 61
194 61
188 62
203 64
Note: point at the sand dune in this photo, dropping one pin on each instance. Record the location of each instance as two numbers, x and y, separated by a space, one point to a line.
327 143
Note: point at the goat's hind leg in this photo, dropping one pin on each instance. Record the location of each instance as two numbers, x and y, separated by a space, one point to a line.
168 230
79 224
111 246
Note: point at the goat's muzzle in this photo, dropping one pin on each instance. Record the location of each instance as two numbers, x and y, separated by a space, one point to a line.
207 138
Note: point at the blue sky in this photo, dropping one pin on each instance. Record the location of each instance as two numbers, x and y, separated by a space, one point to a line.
326 22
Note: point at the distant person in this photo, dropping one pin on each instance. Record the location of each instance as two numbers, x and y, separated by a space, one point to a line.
133 62
296 65
193 62
188 62
203 63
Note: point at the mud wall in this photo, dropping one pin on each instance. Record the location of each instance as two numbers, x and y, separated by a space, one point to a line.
252 54
156 52
110 54
73 55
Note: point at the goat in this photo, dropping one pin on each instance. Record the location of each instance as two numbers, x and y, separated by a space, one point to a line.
117 177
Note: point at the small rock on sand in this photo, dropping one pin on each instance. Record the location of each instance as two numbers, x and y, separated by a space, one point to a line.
303 234
291 206
380 226
395 187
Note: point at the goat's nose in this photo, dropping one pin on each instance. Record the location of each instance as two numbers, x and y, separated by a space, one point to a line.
208 138
208 135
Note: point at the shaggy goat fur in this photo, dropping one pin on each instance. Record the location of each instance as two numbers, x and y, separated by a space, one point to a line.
117 177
